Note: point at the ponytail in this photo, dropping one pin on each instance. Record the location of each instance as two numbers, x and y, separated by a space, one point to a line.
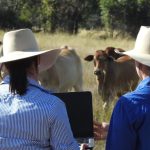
18 74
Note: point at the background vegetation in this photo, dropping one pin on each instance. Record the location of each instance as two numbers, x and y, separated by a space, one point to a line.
72 15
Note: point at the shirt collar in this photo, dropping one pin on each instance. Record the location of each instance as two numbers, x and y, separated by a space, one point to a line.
143 83
31 81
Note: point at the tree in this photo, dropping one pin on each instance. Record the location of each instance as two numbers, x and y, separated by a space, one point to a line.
125 15
69 15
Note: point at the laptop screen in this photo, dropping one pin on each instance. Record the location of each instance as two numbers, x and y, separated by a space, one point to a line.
80 112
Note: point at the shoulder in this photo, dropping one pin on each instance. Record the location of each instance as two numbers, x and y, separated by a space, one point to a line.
130 100
131 106
42 96
51 104
48 98
134 98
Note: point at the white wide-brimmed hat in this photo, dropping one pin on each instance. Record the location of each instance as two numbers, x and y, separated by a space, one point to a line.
20 44
141 51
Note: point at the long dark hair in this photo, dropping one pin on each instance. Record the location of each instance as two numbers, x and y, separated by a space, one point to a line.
18 74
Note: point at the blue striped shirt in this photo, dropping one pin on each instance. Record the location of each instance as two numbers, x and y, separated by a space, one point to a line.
34 121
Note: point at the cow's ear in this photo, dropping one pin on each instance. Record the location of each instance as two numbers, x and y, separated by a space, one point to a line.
89 58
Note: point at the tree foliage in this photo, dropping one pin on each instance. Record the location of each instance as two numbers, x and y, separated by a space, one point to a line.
47 15
70 15
126 15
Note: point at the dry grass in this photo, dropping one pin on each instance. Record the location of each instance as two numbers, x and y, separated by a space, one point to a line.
1 34
86 42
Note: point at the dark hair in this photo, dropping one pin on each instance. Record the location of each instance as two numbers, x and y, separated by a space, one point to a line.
1 69
18 74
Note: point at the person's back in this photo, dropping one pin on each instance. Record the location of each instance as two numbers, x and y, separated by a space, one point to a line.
27 122
132 119
130 122
142 114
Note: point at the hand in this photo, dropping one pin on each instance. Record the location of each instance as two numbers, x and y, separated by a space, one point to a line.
100 130
83 146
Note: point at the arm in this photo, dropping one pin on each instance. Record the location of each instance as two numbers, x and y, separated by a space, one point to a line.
121 135
60 130
100 130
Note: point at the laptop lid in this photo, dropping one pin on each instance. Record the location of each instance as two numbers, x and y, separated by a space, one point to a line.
80 112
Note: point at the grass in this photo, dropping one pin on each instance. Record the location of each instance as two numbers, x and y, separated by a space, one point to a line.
86 42
1 35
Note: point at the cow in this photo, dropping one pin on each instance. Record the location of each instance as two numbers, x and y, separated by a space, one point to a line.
65 74
110 51
114 75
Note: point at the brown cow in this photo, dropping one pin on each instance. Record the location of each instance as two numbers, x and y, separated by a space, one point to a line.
114 77
65 74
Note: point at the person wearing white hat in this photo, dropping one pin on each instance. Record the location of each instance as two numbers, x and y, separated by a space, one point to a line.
30 117
130 121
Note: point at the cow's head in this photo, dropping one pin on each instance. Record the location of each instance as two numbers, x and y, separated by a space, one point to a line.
100 60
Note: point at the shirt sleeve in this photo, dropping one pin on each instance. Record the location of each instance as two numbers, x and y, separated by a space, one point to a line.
121 134
60 130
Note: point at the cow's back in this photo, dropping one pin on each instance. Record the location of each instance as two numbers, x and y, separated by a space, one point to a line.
65 73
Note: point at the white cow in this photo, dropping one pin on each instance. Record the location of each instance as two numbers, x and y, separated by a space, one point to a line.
65 74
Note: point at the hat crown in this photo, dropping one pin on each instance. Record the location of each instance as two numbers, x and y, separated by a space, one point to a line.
19 40
21 44
142 44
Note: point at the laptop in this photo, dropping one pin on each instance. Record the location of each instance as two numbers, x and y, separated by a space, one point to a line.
80 113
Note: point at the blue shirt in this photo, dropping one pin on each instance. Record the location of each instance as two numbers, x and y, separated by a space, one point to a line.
130 121
34 121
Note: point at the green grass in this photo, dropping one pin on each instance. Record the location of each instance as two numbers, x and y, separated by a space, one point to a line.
86 42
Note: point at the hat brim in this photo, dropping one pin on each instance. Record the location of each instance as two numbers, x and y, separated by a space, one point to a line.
47 57
140 57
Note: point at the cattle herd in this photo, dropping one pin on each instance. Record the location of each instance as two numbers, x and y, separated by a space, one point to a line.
115 74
